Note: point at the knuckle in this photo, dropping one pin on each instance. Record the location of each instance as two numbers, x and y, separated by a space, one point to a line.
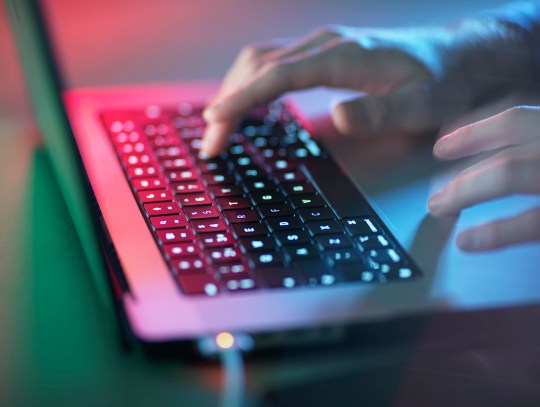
326 31
250 52
508 173
519 172
515 113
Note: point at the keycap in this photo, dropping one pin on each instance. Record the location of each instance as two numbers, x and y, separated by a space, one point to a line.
360 226
241 216
388 255
182 175
250 173
279 277
143 184
219 239
399 274
177 250
233 270
135 160
194 199
190 265
324 227
315 272
284 165
297 188
168 153
291 237
299 253
168 222
265 259
257 244
258 185
208 225
218 179
233 203
271 210
343 256
164 208
187 187
306 201
143 171
290 176
283 223
241 284
249 229
212 166
333 241
315 213
225 191
166 140
367 242
267 197
242 161
155 195
174 235
201 212
224 255
198 284
177 164
357 272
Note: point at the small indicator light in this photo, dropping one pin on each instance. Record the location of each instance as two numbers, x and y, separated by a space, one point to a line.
225 340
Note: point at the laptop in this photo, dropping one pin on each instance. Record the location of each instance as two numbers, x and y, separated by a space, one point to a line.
272 239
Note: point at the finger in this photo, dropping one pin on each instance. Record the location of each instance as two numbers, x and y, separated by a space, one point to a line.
519 229
245 65
252 57
513 126
275 78
216 137
406 108
514 170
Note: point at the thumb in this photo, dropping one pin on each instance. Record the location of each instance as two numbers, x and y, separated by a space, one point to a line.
406 108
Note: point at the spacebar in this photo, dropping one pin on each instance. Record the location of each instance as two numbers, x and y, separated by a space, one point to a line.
336 187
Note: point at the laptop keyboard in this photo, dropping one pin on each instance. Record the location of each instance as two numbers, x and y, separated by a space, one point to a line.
272 212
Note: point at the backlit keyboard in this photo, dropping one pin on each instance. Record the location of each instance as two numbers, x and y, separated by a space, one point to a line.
273 211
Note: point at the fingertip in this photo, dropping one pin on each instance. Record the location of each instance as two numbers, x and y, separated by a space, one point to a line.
439 149
435 204
340 118
468 241
215 138
352 118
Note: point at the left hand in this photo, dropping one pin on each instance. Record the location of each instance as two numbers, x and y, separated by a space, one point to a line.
513 170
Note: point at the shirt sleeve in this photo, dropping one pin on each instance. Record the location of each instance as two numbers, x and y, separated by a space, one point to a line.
523 16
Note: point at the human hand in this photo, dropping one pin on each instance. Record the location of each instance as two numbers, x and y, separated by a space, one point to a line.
513 170
414 78
380 62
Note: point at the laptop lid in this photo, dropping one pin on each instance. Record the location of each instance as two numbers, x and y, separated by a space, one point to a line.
44 85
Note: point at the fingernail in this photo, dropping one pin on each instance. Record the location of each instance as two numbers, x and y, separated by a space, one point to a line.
436 203
207 113
468 241
210 111
440 147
